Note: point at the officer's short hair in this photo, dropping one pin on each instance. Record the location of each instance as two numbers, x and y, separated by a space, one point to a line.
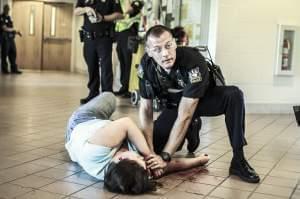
156 31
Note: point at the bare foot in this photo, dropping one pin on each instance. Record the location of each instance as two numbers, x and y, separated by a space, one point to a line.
203 159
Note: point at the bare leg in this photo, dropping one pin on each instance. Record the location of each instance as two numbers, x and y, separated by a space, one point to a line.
180 164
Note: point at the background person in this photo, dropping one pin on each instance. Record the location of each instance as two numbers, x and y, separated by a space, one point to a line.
8 45
125 28
181 36
97 34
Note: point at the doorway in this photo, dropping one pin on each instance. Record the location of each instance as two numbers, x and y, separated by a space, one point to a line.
47 35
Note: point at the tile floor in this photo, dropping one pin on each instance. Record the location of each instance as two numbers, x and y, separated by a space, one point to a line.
35 106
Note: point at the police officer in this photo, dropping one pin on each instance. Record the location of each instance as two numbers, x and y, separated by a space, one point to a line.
97 35
180 76
125 28
8 45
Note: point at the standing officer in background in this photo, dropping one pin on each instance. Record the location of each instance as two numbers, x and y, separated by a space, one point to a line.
8 45
97 35
180 77
125 28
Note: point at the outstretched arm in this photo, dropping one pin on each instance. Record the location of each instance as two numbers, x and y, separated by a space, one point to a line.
186 111
146 120
114 133
179 164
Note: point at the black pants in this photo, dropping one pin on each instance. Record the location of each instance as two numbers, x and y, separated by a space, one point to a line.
218 100
125 57
98 54
8 49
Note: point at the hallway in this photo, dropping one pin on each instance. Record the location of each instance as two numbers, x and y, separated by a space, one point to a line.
35 106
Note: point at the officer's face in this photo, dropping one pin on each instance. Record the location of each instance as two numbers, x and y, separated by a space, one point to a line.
162 49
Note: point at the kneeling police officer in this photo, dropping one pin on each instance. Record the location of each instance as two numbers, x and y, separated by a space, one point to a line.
180 77
97 35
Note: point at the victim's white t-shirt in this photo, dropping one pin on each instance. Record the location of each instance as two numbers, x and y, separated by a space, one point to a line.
94 159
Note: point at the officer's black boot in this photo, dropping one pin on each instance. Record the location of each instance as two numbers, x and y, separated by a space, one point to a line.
240 167
193 135
88 98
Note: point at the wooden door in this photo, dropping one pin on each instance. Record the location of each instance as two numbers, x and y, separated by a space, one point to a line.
57 36
28 18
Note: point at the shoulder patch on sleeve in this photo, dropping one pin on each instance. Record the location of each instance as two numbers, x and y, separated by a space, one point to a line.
140 71
195 75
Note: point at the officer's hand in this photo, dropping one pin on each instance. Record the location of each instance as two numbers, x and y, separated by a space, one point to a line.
154 161
90 11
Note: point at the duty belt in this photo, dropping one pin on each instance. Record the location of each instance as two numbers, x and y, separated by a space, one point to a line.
86 35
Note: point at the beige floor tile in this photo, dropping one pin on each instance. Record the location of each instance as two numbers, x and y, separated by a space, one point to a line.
296 194
284 174
169 182
265 196
6 163
283 182
11 191
55 173
217 172
180 195
185 175
48 162
274 190
20 171
33 181
260 163
262 170
207 179
93 193
196 188
25 157
37 194
227 193
63 188
81 178
236 183
70 166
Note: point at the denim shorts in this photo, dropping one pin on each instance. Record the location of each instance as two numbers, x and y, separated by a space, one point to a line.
100 107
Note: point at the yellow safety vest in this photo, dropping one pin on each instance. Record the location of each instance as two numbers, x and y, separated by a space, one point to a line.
127 22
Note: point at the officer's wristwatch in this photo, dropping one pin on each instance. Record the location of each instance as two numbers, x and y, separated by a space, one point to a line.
165 156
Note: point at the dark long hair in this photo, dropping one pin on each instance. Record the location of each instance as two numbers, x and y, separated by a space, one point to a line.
128 177
179 33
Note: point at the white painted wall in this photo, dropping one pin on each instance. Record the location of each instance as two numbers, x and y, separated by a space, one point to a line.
245 48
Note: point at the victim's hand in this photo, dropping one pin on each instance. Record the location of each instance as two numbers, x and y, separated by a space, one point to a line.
154 161
157 173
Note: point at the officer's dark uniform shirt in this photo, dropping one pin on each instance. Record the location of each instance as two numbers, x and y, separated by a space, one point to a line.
7 21
189 76
104 7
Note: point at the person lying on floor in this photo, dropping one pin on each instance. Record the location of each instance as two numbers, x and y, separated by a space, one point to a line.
116 151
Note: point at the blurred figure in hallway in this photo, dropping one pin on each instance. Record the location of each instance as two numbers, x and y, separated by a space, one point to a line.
126 28
8 45
181 36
